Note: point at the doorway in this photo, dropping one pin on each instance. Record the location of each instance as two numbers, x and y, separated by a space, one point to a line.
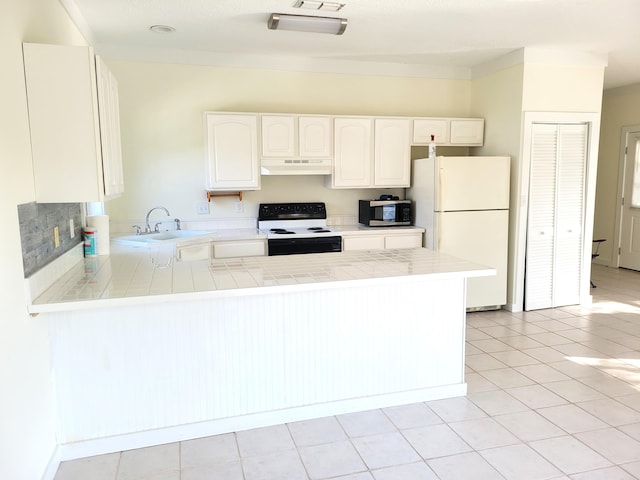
629 244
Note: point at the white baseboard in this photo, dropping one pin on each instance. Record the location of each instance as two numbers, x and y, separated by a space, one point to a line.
52 466
512 307
180 433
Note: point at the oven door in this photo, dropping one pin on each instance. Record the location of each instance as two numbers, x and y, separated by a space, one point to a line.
292 246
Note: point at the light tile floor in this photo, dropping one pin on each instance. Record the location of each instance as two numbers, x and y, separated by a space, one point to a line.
553 394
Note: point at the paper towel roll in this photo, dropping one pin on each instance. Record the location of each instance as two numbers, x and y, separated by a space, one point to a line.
101 224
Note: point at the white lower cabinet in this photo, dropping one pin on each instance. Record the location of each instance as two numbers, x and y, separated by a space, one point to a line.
244 248
382 241
369 242
188 253
222 249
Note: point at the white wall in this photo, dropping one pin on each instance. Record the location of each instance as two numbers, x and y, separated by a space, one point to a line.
498 98
562 88
27 410
502 97
161 108
620 108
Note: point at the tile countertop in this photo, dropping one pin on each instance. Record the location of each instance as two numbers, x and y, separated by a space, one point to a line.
128 277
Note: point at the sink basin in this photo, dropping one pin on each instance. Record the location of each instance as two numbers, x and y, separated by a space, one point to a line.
160 237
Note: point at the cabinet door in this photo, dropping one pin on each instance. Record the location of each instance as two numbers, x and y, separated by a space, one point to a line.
278 136
352 160
366 242
63 120
232 148
253 248
413 240
109 114
314 134
467 131
423 128
189 253
392 152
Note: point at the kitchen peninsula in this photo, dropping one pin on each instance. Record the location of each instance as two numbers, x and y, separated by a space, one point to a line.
145 356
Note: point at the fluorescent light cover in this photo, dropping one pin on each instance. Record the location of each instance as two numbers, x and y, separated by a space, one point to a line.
305 23
319 5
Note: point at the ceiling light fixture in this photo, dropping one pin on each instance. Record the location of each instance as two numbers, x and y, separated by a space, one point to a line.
319 5
305 23
162 28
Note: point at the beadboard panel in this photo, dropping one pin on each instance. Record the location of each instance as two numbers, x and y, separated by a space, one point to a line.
125 370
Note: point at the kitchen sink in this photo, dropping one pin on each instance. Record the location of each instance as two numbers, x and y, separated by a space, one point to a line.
177 236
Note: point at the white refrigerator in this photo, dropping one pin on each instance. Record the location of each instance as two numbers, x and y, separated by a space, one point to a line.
463 204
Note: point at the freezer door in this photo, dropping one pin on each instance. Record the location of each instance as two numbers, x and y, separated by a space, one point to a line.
472 183
479 237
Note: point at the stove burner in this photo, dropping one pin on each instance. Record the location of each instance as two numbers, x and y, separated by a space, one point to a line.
319 230
282 231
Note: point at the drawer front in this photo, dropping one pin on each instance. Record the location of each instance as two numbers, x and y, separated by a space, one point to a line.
201 251
403 241
239 249
373 242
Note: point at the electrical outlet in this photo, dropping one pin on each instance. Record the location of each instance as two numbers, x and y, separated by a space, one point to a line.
202 208
72 229
239 207
56 237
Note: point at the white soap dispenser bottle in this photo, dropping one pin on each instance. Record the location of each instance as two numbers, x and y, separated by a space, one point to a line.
432 147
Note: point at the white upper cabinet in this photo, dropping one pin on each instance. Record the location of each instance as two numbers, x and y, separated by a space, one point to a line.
296 136
449 131
392 152
278 136
314 136
371 153
467 131
232 151
423 128
109 113
74 123
352 162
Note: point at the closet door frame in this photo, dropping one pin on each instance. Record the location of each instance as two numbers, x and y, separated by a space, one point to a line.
518 240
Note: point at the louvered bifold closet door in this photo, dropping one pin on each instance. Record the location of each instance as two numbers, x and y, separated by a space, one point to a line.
556 215
572 155
541 217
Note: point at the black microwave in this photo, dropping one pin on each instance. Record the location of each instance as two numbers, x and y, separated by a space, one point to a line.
385 213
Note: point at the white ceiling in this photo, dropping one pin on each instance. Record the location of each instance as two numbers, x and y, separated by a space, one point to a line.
435 38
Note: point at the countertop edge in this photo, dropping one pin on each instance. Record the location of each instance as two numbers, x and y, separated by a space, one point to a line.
35 309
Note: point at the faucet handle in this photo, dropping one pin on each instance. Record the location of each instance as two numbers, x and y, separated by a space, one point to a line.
177 220
138 229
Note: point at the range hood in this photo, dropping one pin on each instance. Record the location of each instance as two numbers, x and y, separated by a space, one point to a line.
296 166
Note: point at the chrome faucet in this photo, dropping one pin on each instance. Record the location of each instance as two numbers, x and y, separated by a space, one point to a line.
147 227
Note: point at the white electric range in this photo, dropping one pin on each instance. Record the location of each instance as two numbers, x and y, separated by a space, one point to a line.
294 228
